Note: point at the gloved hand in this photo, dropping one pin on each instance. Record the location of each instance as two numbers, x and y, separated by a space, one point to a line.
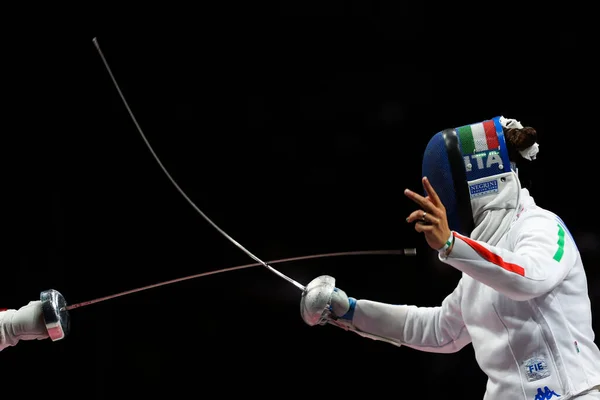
341 305
322 301
26 323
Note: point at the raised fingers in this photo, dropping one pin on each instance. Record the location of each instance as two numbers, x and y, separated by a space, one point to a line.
423 202
433 197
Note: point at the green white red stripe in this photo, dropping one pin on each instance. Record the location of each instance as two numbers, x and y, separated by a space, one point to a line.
491 257
478 137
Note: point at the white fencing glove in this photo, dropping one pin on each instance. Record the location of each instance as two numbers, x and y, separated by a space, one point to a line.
323 303
341 305
26 323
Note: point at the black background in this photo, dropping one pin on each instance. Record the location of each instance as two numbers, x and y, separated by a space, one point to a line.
295 128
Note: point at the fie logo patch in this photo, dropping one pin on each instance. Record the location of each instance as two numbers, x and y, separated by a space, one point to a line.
535 369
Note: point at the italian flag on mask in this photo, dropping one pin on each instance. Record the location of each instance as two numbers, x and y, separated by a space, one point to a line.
478 137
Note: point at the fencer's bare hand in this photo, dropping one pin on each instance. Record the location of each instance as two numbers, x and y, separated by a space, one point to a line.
431 217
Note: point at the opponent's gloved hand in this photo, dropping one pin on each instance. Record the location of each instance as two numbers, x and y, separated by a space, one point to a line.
26 323
341 305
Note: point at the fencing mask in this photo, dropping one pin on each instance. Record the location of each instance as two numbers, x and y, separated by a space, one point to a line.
454 158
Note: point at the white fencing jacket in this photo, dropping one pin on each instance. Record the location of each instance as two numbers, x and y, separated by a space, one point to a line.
523 304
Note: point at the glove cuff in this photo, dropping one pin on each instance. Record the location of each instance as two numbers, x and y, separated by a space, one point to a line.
350 314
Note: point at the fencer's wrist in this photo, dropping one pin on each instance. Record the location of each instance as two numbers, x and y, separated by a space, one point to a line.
350 314
447 247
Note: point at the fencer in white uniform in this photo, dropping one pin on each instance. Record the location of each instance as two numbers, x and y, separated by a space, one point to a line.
26 323
522 301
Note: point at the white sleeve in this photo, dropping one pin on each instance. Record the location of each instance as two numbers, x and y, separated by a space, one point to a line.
433 329
7 336
543 255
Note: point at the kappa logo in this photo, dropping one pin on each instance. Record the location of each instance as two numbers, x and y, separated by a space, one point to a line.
483 160
545 394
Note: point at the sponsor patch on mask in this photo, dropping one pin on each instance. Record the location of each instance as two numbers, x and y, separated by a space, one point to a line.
535 369
483 188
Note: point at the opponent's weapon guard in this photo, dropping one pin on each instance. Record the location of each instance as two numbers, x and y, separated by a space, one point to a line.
56 315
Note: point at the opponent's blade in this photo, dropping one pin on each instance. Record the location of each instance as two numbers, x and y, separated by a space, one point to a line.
410 252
